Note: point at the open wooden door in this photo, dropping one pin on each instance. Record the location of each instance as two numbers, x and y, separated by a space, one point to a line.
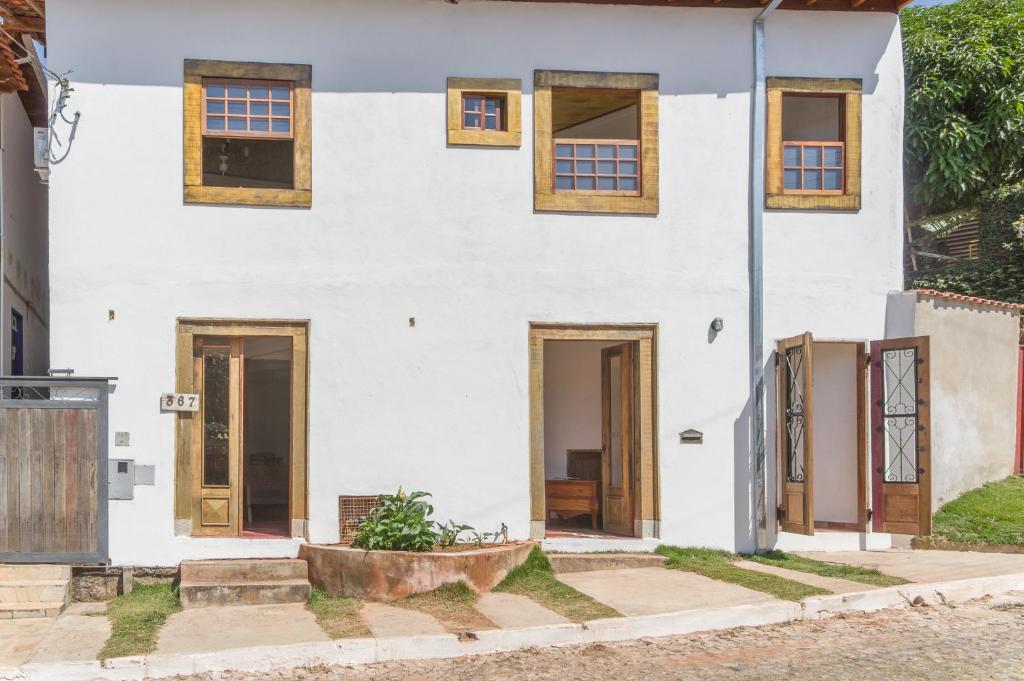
901 436
216 443
794 380
617 450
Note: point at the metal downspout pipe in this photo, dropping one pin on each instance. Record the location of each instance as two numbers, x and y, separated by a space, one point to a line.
757 172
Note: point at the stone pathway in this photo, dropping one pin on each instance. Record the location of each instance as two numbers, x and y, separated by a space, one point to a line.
77 635
647 591
928 566
510 611
387 620
238 626
972 641
833 584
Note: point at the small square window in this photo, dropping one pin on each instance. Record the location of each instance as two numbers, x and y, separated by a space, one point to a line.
484 111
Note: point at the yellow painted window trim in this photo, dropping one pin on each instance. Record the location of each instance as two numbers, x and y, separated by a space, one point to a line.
509 88
775 196
301 196
545 198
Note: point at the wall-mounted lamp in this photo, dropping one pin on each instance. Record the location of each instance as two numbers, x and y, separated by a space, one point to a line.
717 324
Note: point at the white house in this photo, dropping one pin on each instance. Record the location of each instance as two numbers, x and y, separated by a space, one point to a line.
477 248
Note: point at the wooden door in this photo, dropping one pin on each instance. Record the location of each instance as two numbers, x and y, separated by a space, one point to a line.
794 379
901 436
617 441
216 443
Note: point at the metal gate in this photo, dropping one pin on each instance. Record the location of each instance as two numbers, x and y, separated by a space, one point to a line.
53 470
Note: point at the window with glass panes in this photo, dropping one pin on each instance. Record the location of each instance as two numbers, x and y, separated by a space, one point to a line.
483 112
597 165
247 108
812 166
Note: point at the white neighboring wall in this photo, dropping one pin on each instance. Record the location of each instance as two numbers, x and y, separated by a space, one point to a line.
403 226
25 247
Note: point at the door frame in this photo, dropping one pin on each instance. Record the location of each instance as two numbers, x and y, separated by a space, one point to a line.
647 502
186 458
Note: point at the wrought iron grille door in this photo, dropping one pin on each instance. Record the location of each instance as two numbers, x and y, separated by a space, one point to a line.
900 415
900 449
794 378
795 416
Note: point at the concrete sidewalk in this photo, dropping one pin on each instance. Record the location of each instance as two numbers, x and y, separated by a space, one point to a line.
655 601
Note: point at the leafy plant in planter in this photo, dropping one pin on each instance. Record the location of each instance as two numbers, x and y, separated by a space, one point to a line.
448 535
399 524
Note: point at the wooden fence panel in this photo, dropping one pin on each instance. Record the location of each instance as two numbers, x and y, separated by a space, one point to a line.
53 476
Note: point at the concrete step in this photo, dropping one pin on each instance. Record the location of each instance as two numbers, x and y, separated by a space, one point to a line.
243 592
586 562
9 572
30 609
34 590
257 570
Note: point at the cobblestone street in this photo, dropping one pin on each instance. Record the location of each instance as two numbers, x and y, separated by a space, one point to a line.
979 640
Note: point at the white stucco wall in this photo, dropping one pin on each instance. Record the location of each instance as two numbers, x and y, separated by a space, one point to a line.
24 241
402 226
974 364
835 432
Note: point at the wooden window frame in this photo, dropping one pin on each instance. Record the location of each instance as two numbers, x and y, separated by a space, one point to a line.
617 143
821 167
849 90
300 76
510 89
499 116
258 134
545 197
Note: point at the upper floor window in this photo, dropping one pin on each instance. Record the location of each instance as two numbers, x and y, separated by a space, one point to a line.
596 142
813 144
483 112
247 133
254 108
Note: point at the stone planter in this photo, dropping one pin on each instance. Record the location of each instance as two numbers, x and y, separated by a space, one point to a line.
390 575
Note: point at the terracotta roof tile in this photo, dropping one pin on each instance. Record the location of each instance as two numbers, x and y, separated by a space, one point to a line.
960 298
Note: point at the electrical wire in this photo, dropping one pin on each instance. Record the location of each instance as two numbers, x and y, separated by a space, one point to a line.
62 92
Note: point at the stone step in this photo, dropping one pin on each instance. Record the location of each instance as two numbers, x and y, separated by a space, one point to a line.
202 594
586 562
257 570
10 571
34 590
30 609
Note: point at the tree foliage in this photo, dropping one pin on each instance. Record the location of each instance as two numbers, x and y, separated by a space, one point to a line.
965 101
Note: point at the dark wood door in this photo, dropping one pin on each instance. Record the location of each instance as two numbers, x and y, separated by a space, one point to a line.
794 378
901 436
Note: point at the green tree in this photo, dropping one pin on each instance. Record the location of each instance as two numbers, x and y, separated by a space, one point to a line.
965 101
964 138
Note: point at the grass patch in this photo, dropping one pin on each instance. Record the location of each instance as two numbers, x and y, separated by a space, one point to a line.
536 580
992 514
719 565
853 573
451 605
136 618
337 616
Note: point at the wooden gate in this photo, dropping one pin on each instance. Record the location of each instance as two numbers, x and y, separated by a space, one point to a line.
53 470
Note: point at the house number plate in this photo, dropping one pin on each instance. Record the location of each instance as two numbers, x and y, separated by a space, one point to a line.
179 402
